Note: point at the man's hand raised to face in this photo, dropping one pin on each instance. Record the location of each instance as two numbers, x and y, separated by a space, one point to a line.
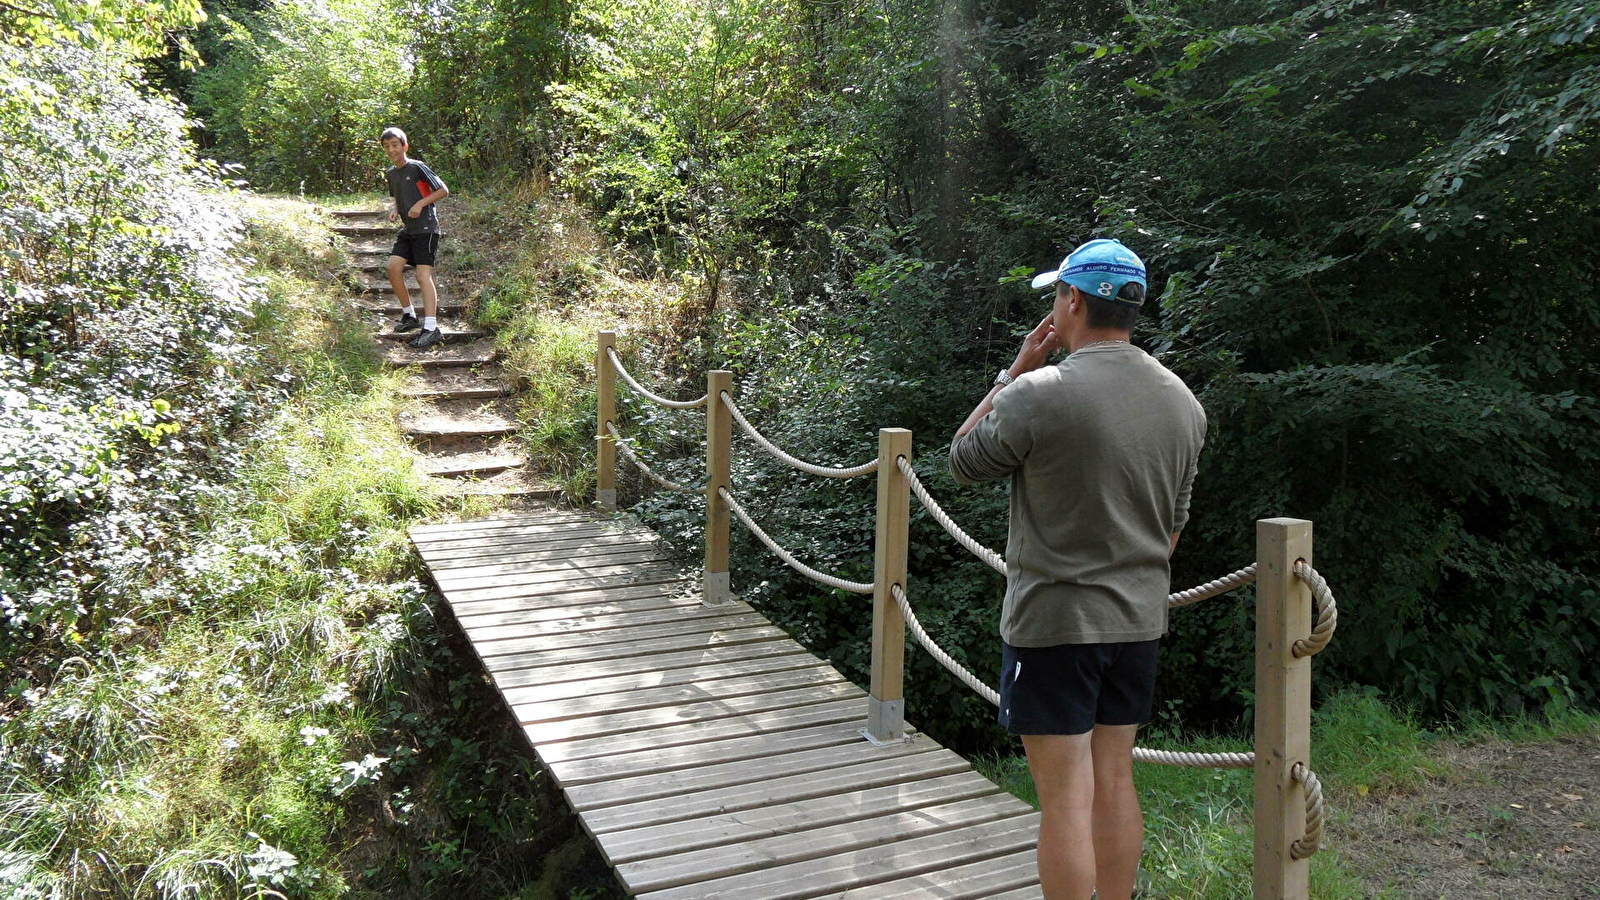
1036 349
1037 346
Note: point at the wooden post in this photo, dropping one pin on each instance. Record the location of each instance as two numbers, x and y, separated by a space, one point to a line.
605 449
886 707
1283 707
719 456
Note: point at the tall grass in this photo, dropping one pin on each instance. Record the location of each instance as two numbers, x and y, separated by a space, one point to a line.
547 284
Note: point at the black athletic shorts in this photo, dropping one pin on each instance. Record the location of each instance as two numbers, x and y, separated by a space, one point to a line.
1070 688
416 249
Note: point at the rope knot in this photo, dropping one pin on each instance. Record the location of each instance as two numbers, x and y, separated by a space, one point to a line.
1327 611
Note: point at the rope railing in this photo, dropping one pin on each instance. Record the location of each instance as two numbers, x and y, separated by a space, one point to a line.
1327 611
1315 812
990 558
1231 581
937 652
1216 587
794 461
1311 842
1193 760
645 392
1142 754
1283 548
630 456
854 587
1321 635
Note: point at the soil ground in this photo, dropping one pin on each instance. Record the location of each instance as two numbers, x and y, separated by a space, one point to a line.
1515 821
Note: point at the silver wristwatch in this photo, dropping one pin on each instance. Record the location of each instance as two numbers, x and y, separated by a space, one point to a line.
1004 377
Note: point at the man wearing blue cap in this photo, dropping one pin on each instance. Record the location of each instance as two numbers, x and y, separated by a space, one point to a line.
1101 451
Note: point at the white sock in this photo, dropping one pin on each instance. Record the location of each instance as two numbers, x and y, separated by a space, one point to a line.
410 310
431 323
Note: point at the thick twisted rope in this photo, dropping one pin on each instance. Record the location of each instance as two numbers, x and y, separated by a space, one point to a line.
1327 611
937 652
855 587
628 453
616 361
802 465
1194 760
1315 813
1228 582
990 558
1142 754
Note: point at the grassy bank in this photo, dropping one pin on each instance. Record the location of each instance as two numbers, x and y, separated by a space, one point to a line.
289 719
541 276
1370 757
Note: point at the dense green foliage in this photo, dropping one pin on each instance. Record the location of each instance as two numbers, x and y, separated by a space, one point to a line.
1368 226
476 92
297 93
90 403
140 27
1377 280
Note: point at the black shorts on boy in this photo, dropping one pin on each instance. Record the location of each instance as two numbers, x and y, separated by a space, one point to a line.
416 249
1070 688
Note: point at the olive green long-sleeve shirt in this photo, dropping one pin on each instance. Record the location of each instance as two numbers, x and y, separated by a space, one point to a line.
1101 450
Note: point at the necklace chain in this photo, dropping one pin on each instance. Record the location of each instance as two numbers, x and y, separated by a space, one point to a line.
1101 343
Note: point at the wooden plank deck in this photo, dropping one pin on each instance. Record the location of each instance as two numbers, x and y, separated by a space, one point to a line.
708 754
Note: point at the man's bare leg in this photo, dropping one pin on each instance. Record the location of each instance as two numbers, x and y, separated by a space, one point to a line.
430 295
1118 821
1063 772
397 280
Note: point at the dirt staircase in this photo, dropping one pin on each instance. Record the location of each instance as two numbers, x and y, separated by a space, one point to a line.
459 409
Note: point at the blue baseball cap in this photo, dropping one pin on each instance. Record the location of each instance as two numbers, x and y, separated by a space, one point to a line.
1099 268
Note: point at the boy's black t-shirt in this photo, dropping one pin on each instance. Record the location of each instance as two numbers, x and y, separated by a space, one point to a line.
407 185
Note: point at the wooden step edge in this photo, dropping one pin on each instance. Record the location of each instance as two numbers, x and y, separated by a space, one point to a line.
530 492
473 431
487 392
364 230
379 290
451 336
478 469
435 361
391 308
369 287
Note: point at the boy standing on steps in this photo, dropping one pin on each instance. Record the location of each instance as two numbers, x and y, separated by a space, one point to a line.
415 189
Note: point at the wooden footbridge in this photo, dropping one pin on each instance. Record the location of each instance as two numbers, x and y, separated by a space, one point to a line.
708 753
712 757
